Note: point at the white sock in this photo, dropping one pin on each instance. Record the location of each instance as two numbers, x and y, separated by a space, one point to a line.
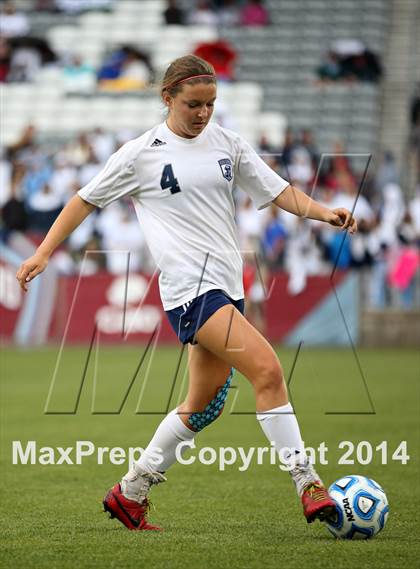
168 435
147 471
281 427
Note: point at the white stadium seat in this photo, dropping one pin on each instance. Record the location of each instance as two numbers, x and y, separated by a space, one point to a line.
63 39
96 20
273 126
200 34
135 7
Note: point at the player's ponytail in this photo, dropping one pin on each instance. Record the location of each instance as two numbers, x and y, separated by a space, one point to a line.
188 69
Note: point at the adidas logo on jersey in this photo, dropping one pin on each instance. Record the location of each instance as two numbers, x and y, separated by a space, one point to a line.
157 142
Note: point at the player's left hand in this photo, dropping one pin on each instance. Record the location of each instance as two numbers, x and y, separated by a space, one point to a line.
342 218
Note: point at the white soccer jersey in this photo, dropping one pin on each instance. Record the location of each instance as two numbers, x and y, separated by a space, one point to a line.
182 192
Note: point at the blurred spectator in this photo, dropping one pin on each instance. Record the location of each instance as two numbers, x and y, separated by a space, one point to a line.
415 131
271 160
103 144
24 146
378 286
18 175
335 247
222 114
221 55
78 6
79 77
264 146
13 211
395 268
83 235
38 172
202 15
254 13
5 179
136 69
392 211
330 69
383 250
414 209
404 265
31 177
12 23
45 5
386 172
28 55
13 215
302 255
274 240
301 168
366 67
415 107
44 206
125 69
90 260
335 165
287 151
250 226
79 151
254 281
228 14
25 64
5 57
121 232
347 196
64 178
112 65
346 47
174 14
124 135
351 60
308 143
299 158
89 169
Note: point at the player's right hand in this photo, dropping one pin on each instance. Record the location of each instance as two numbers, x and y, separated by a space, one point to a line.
30 268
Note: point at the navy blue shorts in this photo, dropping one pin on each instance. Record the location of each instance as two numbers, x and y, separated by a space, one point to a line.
188 318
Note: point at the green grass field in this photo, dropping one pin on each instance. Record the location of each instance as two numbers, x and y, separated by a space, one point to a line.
52 514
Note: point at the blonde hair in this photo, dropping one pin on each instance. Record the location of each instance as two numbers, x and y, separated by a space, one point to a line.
188 69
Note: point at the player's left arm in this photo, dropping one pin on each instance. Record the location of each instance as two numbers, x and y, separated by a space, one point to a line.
297 202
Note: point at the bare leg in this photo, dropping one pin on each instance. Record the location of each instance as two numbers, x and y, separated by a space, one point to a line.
229 336
207 374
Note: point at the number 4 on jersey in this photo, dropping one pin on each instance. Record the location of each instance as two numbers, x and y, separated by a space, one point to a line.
168 180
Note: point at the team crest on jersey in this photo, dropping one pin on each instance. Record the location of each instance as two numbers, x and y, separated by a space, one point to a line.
226 168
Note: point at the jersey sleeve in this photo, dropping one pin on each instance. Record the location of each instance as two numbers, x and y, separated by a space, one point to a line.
117 179
255 177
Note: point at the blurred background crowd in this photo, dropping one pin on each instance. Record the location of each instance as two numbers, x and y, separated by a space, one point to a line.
23 53
39 174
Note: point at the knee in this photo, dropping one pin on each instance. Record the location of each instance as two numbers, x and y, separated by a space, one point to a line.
269 375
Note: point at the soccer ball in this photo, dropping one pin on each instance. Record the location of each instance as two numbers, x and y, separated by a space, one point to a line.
362 508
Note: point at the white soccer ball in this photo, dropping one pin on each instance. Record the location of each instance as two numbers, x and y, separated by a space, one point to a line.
362 508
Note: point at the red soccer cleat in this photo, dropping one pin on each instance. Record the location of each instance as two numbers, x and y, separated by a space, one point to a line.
317 503
128 512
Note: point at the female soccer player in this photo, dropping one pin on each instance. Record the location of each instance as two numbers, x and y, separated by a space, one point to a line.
180 176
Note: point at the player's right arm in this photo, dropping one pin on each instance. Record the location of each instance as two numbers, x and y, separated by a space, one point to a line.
71 217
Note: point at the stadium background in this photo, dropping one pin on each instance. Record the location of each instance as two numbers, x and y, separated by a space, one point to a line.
71 96
328 92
